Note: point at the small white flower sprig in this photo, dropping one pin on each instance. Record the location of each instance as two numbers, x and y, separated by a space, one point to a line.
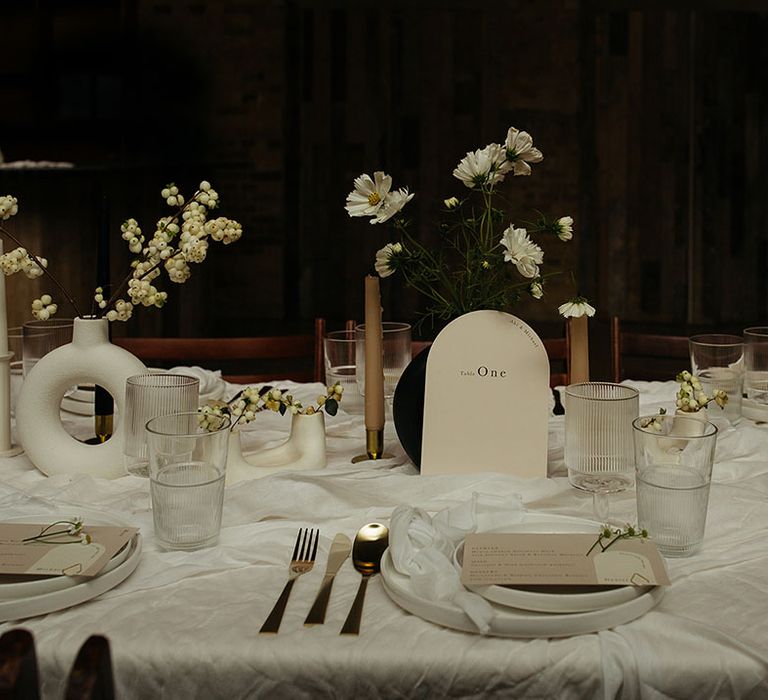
242 408
70 532
613 535
285 403
247 403
179 240
468 271
655 423
691 397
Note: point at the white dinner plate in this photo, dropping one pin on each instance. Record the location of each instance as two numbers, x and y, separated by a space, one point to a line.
25 586
80 408
508 622
85 393
553 599
20 608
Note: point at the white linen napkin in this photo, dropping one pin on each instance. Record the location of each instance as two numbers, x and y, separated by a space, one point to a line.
212 386
422 546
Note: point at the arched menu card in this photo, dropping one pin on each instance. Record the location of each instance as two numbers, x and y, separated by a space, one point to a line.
486 402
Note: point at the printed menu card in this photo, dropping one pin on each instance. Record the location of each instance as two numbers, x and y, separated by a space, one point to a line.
560 559
66 547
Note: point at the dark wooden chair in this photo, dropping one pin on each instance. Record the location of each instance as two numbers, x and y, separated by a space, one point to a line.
18 666
241 360
649 356
91 675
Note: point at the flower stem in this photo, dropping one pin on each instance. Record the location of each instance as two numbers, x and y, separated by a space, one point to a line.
39 263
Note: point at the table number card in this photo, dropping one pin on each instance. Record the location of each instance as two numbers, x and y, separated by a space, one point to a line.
486 400
560 559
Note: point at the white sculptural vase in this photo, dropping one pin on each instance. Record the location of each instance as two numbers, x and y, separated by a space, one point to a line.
686 429
304 449
89 358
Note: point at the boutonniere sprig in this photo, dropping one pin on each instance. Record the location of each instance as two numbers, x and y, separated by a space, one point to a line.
62 532
609 536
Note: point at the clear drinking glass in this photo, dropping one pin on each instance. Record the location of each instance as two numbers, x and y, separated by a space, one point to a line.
718 360
16 346
396 344
673 461
148 396
599 451
187 467
756 364
341 366
40 337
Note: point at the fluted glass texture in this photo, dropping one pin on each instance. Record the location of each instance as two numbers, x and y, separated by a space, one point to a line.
599 451
148 396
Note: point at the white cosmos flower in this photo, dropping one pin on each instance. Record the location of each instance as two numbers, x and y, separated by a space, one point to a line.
576 307
520 151
384 258
564 227
486 166
369 194
392 204
522 251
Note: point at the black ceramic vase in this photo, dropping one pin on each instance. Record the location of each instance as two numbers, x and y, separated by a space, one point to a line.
408 406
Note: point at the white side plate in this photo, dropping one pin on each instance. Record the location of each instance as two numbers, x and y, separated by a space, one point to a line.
20 608
508 622
12 586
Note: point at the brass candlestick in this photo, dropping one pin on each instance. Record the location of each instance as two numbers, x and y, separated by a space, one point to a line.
374 447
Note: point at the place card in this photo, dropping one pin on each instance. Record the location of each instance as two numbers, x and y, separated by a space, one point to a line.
560 559
55 552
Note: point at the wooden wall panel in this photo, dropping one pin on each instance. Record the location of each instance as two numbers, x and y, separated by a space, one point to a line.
681 136
652 119
425 83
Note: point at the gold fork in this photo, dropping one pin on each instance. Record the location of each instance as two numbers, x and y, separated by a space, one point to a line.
303 560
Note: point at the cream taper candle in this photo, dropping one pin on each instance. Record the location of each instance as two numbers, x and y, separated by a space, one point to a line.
5 371
374 357
3 313
579 360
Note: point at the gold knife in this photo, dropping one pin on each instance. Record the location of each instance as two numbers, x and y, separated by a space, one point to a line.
340 550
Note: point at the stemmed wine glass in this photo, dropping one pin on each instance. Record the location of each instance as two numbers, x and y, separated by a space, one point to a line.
599 447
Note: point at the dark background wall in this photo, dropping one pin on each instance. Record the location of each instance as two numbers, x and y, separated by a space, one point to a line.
651 117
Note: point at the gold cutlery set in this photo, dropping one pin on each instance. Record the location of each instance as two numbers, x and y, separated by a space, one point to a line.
370 543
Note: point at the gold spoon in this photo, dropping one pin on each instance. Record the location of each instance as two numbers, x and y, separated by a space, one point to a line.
370 542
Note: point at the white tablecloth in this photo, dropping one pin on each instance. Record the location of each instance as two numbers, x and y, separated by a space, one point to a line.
185 625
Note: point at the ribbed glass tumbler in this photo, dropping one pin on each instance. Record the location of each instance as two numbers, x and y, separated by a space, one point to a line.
340 349
718 361
40 337
187 468
396 349
756 364
148 396
674 457
599 451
